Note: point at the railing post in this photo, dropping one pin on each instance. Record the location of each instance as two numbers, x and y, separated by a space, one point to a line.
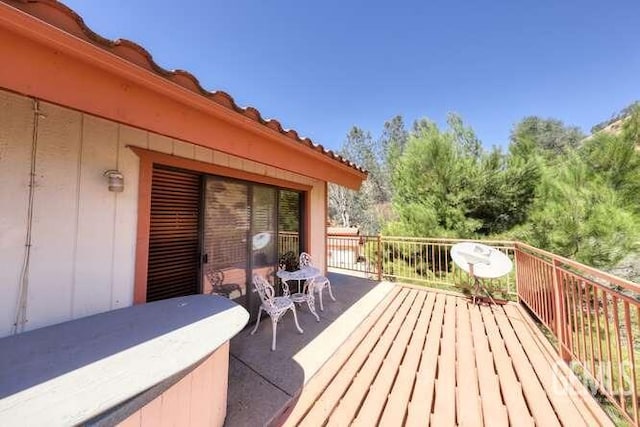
516 266
379 258
561 325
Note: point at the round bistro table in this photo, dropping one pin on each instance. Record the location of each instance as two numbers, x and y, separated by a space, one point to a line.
305 273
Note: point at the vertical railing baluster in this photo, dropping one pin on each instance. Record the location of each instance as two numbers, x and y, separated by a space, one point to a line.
576 304
596 308
519 272
440 262
559 313
568 310
538 291
551 297
379 256
607 332
630 349
616 325
589 325
416 264
571 314
582 322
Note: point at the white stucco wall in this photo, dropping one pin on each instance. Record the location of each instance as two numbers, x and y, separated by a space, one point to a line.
83 236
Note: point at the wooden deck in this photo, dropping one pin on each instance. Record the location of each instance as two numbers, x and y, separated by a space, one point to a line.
428 358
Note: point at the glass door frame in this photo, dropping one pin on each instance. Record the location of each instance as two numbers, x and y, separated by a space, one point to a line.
251 299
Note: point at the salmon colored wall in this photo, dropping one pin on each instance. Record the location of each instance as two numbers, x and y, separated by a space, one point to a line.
86 239
198 399
317 225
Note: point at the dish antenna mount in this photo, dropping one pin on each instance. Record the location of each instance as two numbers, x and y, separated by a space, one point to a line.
481 262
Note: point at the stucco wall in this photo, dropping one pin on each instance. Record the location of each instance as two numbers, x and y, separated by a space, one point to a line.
199 399
83 236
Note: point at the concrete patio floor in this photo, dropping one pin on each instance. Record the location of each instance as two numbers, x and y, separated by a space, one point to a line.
263 382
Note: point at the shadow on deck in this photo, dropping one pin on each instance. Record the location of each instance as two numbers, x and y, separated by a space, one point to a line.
263 382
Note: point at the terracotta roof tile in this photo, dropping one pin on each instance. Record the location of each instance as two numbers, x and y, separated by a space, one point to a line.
64 18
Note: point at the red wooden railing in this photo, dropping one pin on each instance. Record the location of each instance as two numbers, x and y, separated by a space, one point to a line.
593 316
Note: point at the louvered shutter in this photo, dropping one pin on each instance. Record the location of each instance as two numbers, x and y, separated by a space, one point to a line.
174 238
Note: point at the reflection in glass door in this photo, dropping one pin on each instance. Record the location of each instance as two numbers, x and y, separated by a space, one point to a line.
263 234
225 235
289 214
247 227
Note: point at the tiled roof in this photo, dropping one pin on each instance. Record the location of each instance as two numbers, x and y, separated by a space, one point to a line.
62 17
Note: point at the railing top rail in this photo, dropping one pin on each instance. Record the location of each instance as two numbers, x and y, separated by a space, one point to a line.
626 284
444 239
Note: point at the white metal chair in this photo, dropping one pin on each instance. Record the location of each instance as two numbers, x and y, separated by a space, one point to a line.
319 282
274 306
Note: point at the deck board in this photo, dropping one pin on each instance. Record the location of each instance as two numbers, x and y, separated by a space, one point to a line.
536 397
375 401
509 384
317 385
347 409
322 408
396 407
494 411
422 398
444 410
468 408
564 407
425 357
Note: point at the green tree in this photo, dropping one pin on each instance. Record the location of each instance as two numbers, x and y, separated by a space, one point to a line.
447 185
432 184
505 190
550 137
393 143
358 208
615 160
464 136
580 217
552 188
631 126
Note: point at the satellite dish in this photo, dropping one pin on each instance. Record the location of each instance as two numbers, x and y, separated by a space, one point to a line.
480 261
261 240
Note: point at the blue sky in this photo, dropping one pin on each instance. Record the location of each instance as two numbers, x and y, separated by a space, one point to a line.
321 67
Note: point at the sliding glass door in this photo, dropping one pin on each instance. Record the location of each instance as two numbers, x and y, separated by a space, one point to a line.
246 229
263 231
289 222
226 227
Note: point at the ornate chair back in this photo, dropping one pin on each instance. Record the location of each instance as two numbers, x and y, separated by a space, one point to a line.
318 283
264 290
283 283
305 260
216 278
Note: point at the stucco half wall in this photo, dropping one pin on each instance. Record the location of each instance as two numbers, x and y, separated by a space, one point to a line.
83 248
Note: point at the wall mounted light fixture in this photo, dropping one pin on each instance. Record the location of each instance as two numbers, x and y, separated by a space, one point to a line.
116 180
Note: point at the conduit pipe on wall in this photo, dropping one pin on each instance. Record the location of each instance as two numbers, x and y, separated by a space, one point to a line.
23 283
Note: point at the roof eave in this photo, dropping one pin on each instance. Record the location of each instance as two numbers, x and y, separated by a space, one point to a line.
179 85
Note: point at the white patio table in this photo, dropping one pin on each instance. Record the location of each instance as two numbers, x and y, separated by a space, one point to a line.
305 273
